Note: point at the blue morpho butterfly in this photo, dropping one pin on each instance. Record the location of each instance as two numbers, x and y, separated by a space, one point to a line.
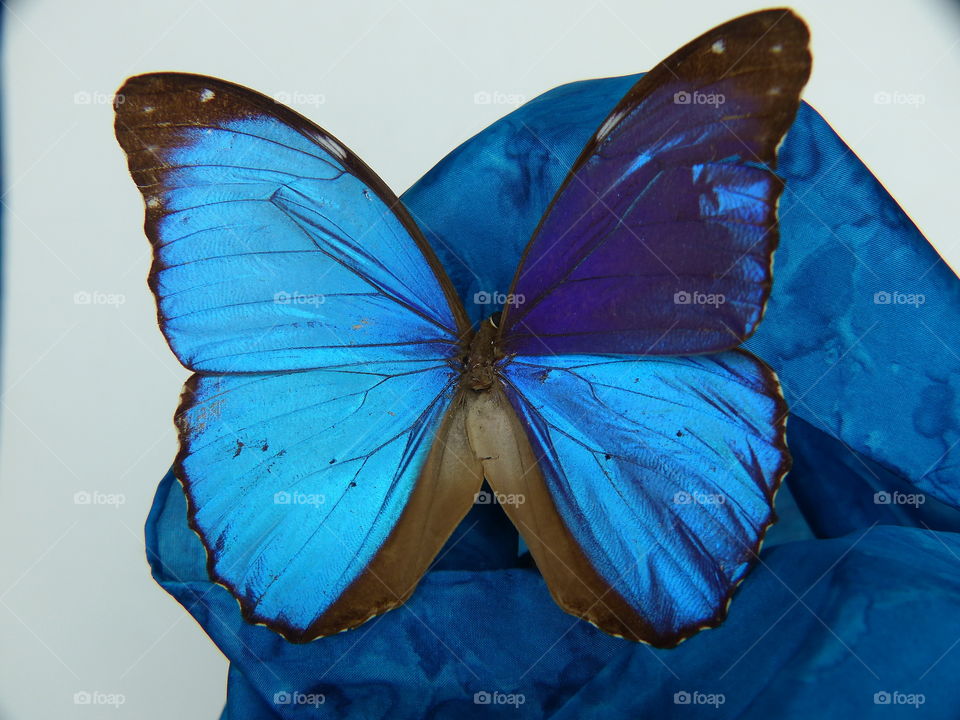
343 414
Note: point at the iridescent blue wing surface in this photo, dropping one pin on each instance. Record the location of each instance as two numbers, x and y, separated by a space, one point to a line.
275 247
662 473
321 495
660 239
324 337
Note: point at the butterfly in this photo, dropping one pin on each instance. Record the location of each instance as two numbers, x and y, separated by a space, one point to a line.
343 414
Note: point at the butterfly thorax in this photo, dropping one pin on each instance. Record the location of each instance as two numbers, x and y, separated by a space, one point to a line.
479 365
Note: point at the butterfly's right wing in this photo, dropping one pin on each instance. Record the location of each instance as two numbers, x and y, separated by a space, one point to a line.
660 240
322 451
648 483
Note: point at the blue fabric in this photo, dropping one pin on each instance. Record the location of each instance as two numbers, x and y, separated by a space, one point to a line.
864 315
843 618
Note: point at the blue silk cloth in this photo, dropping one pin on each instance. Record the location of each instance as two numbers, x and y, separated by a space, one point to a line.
854 609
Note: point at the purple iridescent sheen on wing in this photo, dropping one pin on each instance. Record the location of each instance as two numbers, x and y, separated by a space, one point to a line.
660 239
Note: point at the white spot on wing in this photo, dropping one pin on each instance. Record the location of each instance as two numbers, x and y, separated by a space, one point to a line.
718 47
149 108
332 147
776 48
610 123
153 202
206 95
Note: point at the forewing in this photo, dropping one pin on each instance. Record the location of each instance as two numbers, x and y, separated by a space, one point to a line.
660 240
275 247
322 496
662 471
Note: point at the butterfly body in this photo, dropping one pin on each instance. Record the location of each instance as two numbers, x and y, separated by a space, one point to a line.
480 364
343 413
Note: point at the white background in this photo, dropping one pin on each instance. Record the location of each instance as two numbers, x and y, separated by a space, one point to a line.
89 390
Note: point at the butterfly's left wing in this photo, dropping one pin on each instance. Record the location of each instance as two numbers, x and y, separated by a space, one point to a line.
660 240
321 450
274 246
649 482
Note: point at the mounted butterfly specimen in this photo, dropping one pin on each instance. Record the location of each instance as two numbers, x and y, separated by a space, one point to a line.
343 414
